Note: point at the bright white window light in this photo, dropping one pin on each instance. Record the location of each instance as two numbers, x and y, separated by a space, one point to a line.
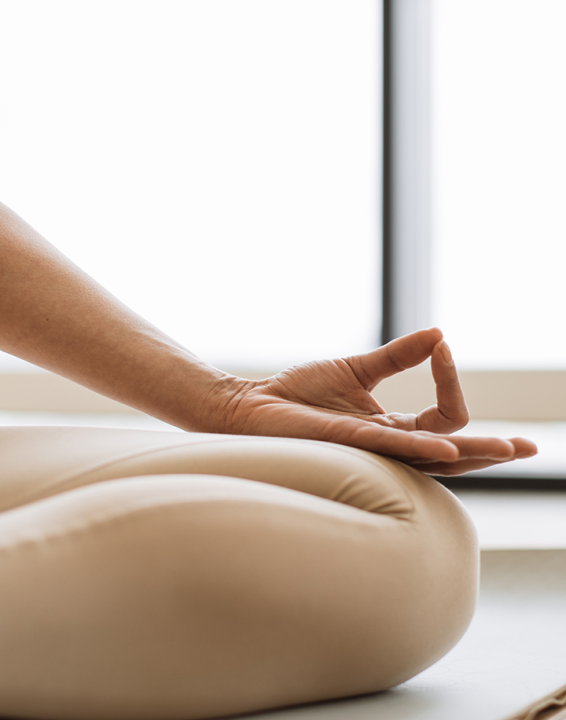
499 113
214 163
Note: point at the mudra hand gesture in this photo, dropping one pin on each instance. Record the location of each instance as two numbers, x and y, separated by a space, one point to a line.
331 400
54 315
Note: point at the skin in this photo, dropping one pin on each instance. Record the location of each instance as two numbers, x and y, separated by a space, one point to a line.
56 316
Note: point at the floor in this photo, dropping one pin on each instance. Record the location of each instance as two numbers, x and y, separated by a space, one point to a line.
515 649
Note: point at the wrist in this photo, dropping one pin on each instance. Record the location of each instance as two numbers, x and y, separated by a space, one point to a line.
220 400
194 395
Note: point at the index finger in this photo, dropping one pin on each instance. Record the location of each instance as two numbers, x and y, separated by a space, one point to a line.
450 412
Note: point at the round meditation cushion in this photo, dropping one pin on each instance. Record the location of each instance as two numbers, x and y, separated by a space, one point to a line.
166 575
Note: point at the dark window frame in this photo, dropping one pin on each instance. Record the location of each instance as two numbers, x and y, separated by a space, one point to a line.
406 197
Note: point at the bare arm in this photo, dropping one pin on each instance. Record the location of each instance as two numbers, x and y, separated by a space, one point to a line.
54 315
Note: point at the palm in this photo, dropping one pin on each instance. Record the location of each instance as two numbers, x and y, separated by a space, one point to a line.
331 385
330 400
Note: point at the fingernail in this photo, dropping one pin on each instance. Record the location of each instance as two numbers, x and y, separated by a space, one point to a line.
446 354
528 454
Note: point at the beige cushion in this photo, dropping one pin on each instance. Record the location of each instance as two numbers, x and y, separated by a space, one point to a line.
168 575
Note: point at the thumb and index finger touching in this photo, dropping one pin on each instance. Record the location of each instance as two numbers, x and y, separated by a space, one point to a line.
450 412
398 355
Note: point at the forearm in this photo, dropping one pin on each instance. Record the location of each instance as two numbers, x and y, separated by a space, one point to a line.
54 315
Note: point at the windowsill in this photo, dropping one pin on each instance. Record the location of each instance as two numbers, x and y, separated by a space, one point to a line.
517 520
528 396
133 420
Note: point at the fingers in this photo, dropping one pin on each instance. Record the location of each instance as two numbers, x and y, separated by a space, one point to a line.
470 449
445 469
522 449
395 443
488 448
495 449
450 412
398 355
465 454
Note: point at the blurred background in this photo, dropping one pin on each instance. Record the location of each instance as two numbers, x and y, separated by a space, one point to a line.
214 163
498 170
275 181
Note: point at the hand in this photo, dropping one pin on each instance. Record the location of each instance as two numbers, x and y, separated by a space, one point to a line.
331 400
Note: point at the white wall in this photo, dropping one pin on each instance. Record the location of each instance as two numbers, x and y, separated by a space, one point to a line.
214 163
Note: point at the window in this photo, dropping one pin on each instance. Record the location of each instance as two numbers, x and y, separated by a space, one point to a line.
473 168
499 181
214 163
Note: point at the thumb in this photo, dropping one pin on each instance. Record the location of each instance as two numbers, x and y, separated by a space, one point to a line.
398 355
